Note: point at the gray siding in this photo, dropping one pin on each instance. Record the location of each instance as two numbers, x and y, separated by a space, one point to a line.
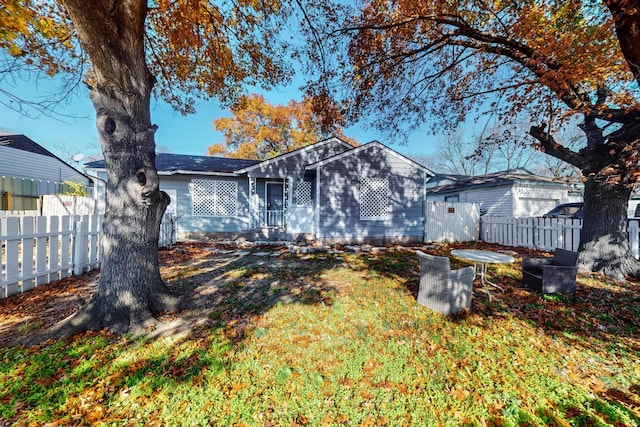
24 164
339 204
192 225
293 165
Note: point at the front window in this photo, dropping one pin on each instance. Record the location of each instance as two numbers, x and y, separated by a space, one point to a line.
374 198
303 193
214 198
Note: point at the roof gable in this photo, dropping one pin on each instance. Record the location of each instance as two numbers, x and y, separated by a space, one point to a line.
24 143
21 142
367 146
316 146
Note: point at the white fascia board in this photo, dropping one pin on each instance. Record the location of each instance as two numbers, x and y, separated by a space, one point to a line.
175 172
188 172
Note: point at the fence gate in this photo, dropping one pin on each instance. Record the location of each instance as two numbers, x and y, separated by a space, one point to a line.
451 222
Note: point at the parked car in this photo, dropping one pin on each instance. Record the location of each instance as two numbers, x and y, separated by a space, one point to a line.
566 210
576 210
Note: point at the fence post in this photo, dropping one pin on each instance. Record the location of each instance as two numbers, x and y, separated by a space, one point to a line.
80 247
12 251
27 232
41 250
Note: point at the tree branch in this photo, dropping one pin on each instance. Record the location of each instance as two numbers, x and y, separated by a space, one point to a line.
627 21
554 149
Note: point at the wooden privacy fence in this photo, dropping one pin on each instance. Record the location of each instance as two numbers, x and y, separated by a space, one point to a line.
543 233
39 250
58 204
451 222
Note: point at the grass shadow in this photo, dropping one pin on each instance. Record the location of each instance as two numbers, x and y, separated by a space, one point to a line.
94 376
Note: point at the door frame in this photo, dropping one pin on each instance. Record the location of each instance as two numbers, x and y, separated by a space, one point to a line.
266 202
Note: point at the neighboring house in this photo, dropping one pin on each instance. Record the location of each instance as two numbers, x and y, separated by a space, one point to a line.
28 171
329 191
517 192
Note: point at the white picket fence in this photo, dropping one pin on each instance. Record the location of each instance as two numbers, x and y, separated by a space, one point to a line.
543 233
37 250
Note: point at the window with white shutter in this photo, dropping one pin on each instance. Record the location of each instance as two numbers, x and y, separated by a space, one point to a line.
374 198
214 198
303 193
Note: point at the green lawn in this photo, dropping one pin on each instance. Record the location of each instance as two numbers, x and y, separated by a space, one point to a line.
340 340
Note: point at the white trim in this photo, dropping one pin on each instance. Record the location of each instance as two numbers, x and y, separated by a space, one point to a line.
266 201
316 207
290 192
294 152
188 172
367 146
177 172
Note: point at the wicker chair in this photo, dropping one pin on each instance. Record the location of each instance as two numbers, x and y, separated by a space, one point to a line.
549 275
441 289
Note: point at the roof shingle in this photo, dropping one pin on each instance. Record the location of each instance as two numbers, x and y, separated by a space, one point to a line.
167 162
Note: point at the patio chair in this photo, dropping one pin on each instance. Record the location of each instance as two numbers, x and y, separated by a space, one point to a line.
550 275
441 289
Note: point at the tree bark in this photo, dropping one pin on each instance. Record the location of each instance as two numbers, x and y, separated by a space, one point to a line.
130 289
604 242
627 20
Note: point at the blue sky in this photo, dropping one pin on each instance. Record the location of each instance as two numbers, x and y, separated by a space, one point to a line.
75 132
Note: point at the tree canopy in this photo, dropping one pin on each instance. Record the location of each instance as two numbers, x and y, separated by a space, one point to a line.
402 63
194 48
407 61
261 130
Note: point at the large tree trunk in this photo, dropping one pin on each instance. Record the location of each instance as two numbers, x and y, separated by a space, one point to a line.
130 289
604 243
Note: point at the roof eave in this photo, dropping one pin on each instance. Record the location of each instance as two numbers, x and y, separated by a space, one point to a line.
188 172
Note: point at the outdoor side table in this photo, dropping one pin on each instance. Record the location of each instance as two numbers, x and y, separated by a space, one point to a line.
480 261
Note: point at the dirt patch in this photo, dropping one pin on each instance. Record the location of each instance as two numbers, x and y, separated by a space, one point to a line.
196 270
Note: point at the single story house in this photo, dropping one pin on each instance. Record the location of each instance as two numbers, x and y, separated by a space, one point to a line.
329 191
515 193
28 171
